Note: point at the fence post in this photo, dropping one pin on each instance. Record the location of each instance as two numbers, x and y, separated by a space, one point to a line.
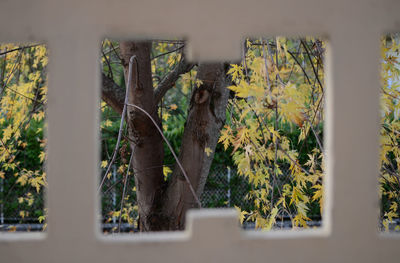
229 186
2 202
114 194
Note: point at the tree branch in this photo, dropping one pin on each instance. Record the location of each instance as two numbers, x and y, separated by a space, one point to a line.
16 49
123 113
169 52
196 198
112 94
169 80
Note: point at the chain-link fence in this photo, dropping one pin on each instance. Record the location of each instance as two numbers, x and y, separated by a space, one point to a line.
224 188
21 206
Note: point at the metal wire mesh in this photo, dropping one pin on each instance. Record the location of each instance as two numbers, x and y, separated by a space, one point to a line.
20 206
224 188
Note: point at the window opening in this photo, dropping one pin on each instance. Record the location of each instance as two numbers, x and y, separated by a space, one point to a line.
23 99
389 180
248 135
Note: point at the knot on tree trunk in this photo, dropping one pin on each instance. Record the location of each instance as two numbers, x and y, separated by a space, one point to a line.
201 96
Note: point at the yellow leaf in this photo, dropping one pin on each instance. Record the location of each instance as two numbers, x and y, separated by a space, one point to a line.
208 151
42 156
235 71
22 214
12 228
104 164
173 106
30 201
242 214
7 133
272 218
108 123
22 179
103 106
41 219
226 136
166 116
166 171
121 169
199 83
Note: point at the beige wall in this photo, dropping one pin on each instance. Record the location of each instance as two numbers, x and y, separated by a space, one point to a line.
214 28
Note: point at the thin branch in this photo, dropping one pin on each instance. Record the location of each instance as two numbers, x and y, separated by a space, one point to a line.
169 80
169 41
17 49
115 51
386 93
169 52
172 151
316 135
15 66
312 64
112 94
22 95
298 63
266 67
121 125
285 152
123 192
276 129
108 64
274 64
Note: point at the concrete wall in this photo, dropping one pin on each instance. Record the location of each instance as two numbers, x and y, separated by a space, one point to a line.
214 28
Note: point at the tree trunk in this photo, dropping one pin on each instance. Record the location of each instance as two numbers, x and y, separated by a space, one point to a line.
205 119
162 205
147 145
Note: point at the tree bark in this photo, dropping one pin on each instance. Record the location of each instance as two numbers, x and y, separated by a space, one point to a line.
205 119
147 145
162 205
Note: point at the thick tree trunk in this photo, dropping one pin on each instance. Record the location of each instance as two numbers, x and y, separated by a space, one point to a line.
162 205
147 145
205 119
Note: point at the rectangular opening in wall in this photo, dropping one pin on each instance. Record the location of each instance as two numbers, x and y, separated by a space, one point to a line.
389 179
23 99
248 135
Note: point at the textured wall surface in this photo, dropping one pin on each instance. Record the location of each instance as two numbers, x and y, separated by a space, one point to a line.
214 30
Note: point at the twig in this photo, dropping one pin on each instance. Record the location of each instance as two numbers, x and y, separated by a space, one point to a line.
315 134
266 67
169 52
312 64
169 41
108 64
22 95
298 63
19 48
172 151
121 125
274 64
5 83
123 193
169 80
